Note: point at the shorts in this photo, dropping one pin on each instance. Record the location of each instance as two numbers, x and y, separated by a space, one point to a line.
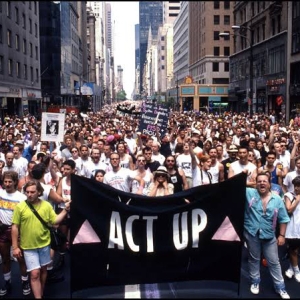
293 244
65 220
5 235
37 258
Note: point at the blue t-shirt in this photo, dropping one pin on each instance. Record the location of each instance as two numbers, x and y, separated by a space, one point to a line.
258 221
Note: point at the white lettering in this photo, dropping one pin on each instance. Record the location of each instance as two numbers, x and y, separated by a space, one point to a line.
149 230
115 232
184 231
198 225
128 233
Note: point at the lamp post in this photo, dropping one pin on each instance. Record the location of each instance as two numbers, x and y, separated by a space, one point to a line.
250 42
177 95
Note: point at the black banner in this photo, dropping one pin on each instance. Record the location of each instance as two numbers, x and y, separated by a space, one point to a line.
120 238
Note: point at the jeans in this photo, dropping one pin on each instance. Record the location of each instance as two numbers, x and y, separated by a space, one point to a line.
269 247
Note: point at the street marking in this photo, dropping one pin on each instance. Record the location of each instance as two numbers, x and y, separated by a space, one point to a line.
132 291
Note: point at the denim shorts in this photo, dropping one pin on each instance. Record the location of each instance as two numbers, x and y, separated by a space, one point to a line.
37 258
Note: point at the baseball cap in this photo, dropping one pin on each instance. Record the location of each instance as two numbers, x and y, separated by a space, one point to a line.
232 148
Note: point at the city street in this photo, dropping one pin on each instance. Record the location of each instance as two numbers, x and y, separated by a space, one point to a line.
191 289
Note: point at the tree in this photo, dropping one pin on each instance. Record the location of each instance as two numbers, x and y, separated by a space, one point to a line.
121 96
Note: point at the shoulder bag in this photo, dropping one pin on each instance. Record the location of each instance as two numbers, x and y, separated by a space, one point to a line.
57 237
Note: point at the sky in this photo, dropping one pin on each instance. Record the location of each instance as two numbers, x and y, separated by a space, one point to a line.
125 15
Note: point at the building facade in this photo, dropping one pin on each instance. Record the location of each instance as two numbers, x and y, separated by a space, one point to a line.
261 44
20 73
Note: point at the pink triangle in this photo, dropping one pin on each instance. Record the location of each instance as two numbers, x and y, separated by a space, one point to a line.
86 234
226 232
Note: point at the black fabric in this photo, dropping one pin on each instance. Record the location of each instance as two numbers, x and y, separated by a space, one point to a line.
111 213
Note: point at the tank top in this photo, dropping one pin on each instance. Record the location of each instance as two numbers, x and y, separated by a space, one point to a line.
214 171
176 180
66 191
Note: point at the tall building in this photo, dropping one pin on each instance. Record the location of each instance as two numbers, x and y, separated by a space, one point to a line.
20 73
258 66
150 15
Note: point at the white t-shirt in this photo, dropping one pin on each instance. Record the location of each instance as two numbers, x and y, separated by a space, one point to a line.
120 180
8 202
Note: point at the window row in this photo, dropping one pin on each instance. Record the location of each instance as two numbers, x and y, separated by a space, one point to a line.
15 42
216 66
9 4
16 69
226 20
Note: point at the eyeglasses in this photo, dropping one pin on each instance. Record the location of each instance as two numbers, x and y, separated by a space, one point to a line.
74 151
161 175
141 160
114 158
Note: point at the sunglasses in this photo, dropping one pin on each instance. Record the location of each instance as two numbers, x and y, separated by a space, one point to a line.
74 151
139 160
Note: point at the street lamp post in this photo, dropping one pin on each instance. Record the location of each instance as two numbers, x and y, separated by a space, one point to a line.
177 95
250 42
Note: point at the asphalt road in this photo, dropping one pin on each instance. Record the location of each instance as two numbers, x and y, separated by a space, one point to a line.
192 289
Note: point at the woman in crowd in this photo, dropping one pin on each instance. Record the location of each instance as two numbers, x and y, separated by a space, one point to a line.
99 175
160 185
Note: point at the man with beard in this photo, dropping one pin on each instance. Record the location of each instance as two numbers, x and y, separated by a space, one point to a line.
94 164
232 152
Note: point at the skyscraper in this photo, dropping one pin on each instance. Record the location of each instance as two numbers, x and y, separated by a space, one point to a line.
150 15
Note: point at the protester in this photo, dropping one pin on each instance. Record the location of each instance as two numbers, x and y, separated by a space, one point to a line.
160 185
261 209
34 242
10 197
292 233
99 175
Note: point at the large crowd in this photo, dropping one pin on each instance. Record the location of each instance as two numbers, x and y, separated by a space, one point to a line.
198 148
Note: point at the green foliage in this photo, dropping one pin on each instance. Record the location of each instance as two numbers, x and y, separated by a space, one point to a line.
121 96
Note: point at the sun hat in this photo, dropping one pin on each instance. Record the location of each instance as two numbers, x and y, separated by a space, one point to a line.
161 170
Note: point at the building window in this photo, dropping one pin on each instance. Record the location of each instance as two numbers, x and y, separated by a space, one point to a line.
1 64
216 19
10 67
216 51
163 57
37 75
23 21
36 52
18 69
162 38
295 43
252 9
226 51
227 37
226 20
226 4
17 15
30 49
216 35
8 38
278 23
162 67
35 30
215 67
31 74
17 42
216 4
35 7
1 34
25 71
273 26
226 67
30 25
263 31
29 4
24 46
276 62
258 35
8 9
162 47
